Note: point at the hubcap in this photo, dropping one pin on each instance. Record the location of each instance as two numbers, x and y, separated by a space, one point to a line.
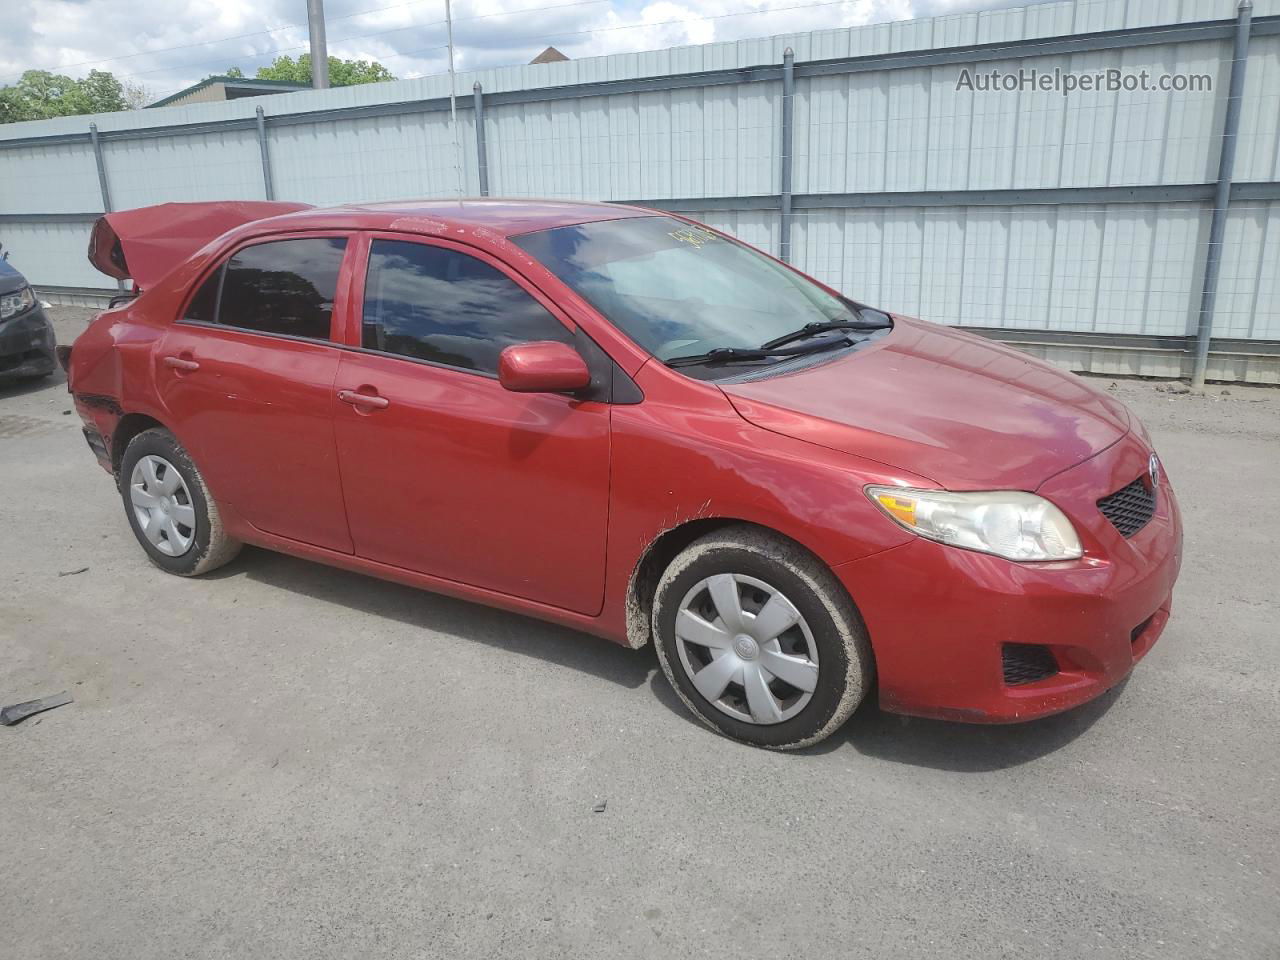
746 648
162 505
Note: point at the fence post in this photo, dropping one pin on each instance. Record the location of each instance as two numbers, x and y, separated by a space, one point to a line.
788 137
482 156
103 187
266 156
1222 196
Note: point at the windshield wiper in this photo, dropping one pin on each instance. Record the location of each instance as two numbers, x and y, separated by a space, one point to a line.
738 354
812 329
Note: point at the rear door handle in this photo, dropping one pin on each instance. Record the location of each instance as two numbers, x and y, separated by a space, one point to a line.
178 363
363 399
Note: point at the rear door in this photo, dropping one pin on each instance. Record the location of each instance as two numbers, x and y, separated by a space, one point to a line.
444 471
247 374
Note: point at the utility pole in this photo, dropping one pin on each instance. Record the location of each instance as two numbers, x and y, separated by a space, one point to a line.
453 99
319 48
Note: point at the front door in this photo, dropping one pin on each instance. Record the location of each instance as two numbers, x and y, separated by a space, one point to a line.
247 376
445 472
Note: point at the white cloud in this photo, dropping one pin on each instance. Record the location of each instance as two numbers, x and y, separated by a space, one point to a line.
166 45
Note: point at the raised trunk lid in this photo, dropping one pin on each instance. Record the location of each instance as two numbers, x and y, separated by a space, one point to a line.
144 244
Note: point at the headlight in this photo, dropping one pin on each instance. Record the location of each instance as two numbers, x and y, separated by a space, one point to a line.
1010 524
12 304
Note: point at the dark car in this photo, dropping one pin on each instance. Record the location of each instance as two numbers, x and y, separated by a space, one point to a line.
26 336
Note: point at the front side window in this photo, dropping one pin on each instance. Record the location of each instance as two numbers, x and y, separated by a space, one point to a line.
285 287
434 304
678 289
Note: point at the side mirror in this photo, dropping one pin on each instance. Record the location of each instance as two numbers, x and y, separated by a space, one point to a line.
542 367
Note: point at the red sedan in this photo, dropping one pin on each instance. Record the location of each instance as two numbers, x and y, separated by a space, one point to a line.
632 424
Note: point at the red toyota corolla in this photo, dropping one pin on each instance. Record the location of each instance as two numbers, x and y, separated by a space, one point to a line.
632 424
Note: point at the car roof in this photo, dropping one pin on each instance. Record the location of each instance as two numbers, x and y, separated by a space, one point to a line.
506 216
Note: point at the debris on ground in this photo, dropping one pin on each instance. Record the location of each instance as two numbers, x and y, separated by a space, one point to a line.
17 712
599 807
72 573
1177 386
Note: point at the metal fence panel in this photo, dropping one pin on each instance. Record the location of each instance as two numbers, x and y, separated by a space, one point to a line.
375 158
212 166
51 254
877 113
59 178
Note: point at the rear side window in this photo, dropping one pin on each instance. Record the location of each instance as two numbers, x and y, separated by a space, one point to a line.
434 304
203 307
286 287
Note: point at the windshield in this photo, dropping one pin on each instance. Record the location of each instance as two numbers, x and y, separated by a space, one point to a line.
677 289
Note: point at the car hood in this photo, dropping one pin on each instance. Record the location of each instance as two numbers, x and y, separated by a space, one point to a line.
961 410
10 279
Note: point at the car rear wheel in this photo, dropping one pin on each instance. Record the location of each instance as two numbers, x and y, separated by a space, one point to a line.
169 507
760 640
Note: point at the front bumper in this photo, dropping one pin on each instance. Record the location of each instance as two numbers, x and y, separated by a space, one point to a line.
940 617
27 345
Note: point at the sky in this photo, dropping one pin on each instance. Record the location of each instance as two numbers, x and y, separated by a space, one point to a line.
165 45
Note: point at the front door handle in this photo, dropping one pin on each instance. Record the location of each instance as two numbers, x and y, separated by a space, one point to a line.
180 363
363 399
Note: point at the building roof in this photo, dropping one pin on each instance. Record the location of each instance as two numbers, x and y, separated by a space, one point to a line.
235 86
549 55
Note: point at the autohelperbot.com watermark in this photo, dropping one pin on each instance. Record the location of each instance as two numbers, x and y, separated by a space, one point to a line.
1065 82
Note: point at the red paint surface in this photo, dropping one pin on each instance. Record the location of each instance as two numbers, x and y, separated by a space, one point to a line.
545 503
546 367
154 240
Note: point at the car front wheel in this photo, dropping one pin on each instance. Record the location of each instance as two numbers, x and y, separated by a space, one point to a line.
169 507
760 640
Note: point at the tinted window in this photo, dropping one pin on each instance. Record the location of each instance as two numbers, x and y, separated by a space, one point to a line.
286 287
204 305
447 307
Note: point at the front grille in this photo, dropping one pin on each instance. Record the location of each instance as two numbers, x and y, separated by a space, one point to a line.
1026 663
1130 508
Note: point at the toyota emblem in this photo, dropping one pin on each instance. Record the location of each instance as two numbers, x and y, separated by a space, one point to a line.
1153 470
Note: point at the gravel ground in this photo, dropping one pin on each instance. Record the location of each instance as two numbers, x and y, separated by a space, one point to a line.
284 760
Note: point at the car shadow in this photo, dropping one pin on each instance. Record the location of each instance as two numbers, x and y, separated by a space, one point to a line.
21 386
938 744
438 613
964 747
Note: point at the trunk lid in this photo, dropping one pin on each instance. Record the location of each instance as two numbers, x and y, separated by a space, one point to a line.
143 245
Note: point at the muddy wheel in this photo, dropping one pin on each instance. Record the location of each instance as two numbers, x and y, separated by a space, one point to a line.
169 507
760 640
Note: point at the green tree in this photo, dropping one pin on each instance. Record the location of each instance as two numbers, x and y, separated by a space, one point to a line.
40 94
102 92
342 73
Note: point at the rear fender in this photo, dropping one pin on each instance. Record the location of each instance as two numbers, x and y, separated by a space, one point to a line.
110 374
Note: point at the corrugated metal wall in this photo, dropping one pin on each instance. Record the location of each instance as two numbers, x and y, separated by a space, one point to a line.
1081 263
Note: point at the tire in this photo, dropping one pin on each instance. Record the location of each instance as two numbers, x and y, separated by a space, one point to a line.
195 541
828 640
